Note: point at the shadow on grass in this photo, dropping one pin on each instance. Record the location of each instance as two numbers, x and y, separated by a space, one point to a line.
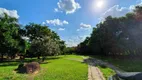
98 62
16 62
52 58
122 64
8 78
8 64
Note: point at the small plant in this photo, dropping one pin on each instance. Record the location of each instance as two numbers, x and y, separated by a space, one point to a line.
102 65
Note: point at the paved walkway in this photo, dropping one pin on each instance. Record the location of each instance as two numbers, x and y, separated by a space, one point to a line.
94 73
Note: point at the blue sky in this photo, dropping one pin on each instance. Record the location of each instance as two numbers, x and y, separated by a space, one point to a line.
73 20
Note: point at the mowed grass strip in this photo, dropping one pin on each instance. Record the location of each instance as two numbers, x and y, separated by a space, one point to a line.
107 72
56 68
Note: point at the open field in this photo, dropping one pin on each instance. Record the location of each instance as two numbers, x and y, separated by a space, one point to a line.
56 68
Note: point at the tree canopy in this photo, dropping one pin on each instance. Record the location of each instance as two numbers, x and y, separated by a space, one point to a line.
41 41
9 35
116 36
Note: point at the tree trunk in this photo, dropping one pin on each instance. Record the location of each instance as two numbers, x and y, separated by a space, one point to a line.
38 57
1 57
20 57
43 58
12 57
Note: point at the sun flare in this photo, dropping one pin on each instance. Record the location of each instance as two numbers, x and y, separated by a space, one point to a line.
100 4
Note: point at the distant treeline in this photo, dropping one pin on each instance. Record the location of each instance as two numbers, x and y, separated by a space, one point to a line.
32 40
116 36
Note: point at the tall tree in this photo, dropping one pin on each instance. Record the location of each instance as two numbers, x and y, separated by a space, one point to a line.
43 41
9 36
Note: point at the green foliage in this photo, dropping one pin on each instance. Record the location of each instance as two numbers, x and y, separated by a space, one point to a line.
37 31
42 41
69 50
83 47
9 36
44 47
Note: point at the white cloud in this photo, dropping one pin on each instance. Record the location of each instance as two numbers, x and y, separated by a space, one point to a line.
11 13
43 23
78 30
68 6
65 22
56 10
61 29
84 27
57 22
74 41
118 11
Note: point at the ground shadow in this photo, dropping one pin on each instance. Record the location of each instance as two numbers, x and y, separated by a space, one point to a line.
97 62
127 76
120 74
16 62
52 58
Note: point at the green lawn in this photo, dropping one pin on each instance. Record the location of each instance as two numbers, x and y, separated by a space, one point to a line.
57 68
130 65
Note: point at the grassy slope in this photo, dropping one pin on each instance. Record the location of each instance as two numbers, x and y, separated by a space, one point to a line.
107 72
129 65
55 69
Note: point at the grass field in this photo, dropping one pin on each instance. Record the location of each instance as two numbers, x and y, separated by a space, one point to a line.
56 68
